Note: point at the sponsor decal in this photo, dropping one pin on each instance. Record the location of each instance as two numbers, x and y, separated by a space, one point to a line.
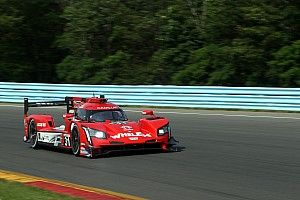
49 137
133 138
67 141
41 124
118 122
130 135
107 107
127 128
46 103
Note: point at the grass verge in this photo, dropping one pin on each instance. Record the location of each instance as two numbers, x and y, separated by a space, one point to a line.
17 191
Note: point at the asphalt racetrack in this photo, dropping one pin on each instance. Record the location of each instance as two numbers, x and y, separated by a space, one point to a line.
226 155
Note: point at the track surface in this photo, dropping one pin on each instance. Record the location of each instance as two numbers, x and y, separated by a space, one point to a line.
225 157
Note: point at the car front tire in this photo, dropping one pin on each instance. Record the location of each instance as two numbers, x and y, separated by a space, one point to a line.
75 140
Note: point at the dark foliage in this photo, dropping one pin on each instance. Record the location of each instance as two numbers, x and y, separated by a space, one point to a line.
183 42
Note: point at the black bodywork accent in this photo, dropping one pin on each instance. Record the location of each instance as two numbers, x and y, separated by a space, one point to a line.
67 102
124 148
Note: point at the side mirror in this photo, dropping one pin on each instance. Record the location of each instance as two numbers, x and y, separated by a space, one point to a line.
147 112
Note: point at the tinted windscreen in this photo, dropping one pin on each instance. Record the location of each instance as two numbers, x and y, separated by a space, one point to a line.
101 116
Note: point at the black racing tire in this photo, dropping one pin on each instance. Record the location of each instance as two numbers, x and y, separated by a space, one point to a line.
32 134
75 141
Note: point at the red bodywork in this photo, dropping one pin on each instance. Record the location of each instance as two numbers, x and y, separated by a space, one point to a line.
150 132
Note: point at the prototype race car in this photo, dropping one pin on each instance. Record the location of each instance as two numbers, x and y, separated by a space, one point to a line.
94 126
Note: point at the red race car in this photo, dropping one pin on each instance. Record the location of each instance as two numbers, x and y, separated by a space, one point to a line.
94 126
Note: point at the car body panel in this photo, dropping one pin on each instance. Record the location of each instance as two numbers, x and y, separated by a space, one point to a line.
115 134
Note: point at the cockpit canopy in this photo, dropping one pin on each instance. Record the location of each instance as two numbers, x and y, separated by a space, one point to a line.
100 115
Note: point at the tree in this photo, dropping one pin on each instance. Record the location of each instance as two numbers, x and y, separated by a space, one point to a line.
285 68
202 42
177 37
239 40
28 30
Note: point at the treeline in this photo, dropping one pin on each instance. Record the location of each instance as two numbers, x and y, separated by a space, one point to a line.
182 42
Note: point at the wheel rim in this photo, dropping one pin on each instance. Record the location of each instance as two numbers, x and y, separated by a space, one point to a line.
75 142
32 134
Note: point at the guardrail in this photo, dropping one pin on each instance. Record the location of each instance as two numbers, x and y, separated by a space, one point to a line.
258 98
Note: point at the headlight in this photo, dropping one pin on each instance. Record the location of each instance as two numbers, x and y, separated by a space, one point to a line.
164 130
94 133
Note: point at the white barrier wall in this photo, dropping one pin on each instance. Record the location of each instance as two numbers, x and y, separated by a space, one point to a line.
258 98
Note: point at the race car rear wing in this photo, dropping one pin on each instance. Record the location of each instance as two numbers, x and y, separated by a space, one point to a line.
70 102
67 102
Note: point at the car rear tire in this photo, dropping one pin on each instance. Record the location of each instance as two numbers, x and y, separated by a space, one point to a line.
33 136
75 140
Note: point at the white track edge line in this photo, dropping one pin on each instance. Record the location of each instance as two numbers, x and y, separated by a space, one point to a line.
224 115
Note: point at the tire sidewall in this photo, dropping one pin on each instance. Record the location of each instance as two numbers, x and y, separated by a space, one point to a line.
33 144
75 132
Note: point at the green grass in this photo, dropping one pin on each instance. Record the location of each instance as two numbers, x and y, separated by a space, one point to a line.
17 191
